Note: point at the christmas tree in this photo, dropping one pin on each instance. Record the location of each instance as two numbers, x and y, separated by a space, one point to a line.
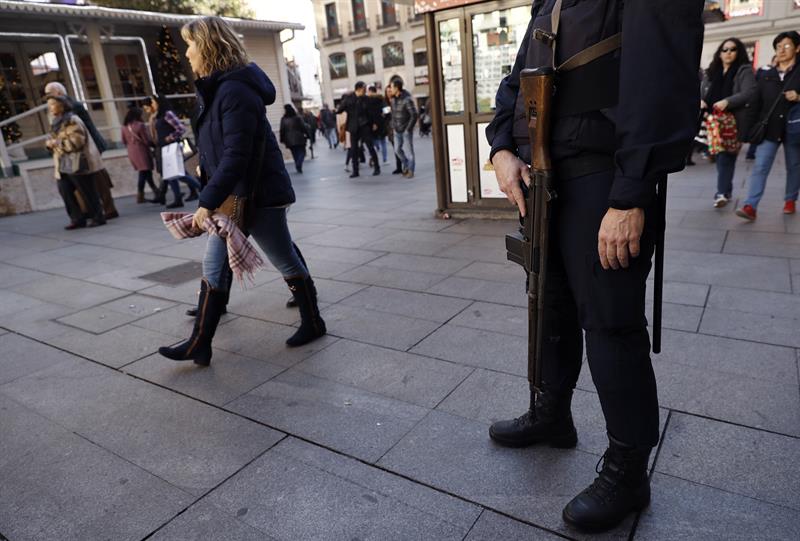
11 132
170 74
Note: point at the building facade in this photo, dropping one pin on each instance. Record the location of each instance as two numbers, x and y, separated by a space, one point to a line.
755 22
370 41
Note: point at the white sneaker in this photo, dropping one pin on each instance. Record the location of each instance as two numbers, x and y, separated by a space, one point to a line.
720 201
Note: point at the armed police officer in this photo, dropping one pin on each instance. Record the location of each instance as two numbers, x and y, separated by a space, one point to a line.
623 116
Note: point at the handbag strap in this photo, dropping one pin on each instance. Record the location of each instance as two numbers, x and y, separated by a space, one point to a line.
765 120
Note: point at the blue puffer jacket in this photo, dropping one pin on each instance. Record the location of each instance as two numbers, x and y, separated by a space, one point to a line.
231 129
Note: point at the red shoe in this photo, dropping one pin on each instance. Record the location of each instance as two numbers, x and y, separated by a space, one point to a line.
788 207
747 212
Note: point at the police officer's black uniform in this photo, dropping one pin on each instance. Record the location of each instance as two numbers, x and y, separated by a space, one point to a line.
621 122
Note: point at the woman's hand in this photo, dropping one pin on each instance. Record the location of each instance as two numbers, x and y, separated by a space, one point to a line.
200 216
791 95
721 105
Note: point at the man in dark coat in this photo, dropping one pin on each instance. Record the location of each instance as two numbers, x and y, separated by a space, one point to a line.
328 121
609 148
359 126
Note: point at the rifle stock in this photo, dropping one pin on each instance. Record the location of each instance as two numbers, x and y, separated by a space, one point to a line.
528 247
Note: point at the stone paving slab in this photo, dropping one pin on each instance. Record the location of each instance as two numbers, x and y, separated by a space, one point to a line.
96 320
757 464
456 455
182 441
763 244
491 526
681 293
342 417
411 378
378 328
20 356
494 317
328 291
777 305
228 377
69 292
422 263
680 510
769 274
694 240
11 276
299 491
393 278
749 326
407 303
174 322
481 290
209 523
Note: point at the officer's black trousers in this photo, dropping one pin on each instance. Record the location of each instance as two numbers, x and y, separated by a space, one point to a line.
609 305
356 138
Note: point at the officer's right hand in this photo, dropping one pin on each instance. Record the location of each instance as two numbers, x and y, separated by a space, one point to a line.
509 169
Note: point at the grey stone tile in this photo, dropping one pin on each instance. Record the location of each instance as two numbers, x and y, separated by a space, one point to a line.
379 328
11 276
326 268
494 317
496 272
410 378
725 355
779 305
188 444
351 237
491 249
299 491
73 489
267 305
20 356
482 290
316 215
210 523
97 320
12 303
185 293
749 326
352 421
681 293
228 377
416 224
114 348
763 244
756 464
301 230
727 220
388 277
37 322
127 279
328 291
174 321
138 306
530 484
420 263
472 347
677 316
338 253
69 292
477 226
730 397
266 341
763 273
492 526
680 510
407 303
24 432
416 242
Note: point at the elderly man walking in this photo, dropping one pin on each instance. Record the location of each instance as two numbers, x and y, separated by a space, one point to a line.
102 178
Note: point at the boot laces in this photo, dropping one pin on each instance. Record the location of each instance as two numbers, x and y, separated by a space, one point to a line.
527 418
605 487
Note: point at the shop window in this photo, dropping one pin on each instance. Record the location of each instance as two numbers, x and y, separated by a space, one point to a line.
388 13
365 61
420 52
338 65
12 97
331 21
497 36
131 76
393 54
450 46
359 16
90 86
716 11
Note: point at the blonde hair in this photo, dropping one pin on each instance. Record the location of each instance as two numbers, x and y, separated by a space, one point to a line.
218 45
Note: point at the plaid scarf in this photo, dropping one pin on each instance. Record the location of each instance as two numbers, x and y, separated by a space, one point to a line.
243 259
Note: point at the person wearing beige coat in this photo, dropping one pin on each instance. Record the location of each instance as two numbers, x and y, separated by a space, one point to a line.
76 162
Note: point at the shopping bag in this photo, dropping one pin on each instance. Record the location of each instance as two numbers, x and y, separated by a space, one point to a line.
172 161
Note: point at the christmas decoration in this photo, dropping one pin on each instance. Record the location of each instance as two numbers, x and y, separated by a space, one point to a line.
170 74
11 132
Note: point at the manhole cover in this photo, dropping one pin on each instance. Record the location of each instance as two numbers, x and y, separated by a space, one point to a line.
179 274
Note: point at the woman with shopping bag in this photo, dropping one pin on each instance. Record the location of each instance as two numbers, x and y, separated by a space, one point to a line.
727 92
77 161
246 181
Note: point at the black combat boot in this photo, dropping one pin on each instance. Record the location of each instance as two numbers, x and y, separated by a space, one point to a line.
198 347
311 324
622 487
549 420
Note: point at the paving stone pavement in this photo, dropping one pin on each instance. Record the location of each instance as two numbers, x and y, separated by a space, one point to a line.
379 430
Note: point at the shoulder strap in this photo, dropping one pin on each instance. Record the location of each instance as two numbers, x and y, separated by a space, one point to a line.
592 53
555 19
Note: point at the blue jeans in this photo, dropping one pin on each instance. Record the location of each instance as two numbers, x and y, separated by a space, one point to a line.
189 180
401 140
381 143
332 137
726 166
765 157
271 232
298 154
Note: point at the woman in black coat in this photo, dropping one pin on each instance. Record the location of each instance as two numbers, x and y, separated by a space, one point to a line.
293 134
243 166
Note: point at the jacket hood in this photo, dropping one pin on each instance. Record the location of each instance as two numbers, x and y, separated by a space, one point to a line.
251 75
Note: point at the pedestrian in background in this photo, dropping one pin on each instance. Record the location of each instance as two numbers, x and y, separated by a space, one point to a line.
728 85
359 126
77 162
166 128
777 92
328 121
139 145
404 118
310 122
376 105
102 178
293 133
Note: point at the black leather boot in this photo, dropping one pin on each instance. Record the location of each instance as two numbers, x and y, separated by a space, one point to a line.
198 346
292 302
311 324
622 487
178 203
192 312
549 420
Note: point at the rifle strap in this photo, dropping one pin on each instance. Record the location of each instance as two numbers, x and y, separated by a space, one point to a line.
590 54
555 19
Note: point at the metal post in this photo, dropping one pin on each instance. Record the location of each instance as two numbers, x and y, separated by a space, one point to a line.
8 167
103 80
